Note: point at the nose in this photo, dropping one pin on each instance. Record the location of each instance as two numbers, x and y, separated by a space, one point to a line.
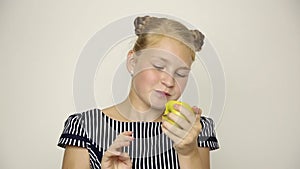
167 79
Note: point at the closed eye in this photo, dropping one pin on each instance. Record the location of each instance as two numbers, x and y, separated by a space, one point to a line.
159 67
182 73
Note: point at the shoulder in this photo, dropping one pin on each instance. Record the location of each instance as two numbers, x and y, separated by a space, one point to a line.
75 131
207 122
207 136
206 119
208 126
79 116
84 114
77 121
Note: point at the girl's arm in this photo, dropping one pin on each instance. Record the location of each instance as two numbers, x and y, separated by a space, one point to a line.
76 158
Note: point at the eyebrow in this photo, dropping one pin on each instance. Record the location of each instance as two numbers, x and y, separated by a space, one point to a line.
186 68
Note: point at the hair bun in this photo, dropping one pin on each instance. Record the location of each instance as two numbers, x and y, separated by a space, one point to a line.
198 39
139 24
147 27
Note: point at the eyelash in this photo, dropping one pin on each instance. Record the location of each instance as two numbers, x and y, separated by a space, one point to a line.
180 75
158 67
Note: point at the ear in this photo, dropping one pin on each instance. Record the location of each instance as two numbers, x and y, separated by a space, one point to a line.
131 60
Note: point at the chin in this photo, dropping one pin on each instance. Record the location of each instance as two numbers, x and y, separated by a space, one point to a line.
158 104
161 107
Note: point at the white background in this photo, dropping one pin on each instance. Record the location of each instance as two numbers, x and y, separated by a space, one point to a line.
257 41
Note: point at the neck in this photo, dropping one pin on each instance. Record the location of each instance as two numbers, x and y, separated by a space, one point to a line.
133 113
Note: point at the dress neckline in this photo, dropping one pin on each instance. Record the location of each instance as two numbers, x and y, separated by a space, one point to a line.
138 122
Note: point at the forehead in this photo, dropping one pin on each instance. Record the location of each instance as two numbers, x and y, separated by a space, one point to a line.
170 49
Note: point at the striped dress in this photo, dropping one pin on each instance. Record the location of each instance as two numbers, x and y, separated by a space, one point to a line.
151 148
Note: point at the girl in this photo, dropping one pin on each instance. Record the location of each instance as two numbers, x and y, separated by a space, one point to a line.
133 134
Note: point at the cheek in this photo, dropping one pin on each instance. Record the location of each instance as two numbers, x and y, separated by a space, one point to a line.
146 78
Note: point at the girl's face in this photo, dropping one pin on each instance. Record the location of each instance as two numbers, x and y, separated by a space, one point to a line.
160 74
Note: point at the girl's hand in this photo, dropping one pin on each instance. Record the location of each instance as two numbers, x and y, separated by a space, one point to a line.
185 134
114 158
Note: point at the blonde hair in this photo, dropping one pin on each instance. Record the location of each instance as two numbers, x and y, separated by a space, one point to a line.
150 30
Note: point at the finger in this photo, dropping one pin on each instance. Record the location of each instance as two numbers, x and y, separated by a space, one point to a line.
127 133
174 130
181 122
125 158
125 136
197 126
172 136
112 153
190 116
116 147
123 140
197 110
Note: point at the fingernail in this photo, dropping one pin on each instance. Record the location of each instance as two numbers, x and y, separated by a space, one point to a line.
197 110
176 106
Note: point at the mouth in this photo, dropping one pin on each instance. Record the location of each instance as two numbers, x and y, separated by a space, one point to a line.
163 93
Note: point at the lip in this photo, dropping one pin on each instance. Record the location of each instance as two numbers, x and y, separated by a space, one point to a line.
166 94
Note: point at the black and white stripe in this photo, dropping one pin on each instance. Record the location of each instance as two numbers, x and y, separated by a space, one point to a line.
150 149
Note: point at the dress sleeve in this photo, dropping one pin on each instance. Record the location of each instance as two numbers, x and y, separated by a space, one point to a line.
74 133
207 137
